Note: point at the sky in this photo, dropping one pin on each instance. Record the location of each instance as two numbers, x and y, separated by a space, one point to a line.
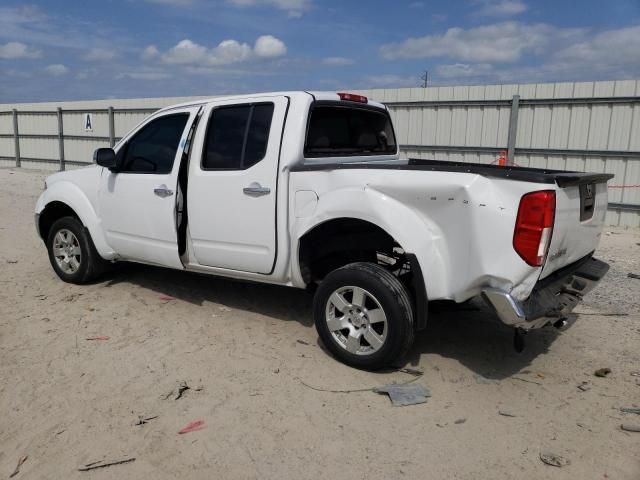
72 50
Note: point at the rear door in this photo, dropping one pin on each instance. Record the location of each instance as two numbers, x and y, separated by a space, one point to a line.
232 189
579 220
138 204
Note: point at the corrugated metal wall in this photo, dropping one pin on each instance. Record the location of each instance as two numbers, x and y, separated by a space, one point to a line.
599 133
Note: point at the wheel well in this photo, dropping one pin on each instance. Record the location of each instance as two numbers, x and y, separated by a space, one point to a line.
52 212
339 242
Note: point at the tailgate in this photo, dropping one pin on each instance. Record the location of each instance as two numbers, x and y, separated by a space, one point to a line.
581 207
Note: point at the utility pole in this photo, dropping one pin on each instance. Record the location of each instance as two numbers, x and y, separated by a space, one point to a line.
425 79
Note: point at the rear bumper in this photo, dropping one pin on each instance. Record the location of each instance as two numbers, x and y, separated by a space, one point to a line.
552 299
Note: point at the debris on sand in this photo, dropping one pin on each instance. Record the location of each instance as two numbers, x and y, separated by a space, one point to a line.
460 421
192 427
584 386
630 410
143 420
554 460
72 298
165 298
628 427
181 389
183 386
99 338
405 394
525 380
602 372
506 413
20 462
411 371
12 261
633 275
101 464
302 342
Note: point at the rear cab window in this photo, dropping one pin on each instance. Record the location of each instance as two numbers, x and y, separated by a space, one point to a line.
337 129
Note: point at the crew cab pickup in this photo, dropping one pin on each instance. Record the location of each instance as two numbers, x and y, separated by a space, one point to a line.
308 190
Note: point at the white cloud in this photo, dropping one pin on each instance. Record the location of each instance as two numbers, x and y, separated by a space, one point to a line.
268 46
56 70
500 42
390 81
187 52
464 70
294 8
146 75
417 4
149 53
30 25
99 55
609 49
611 54
13 50
501 8
337 61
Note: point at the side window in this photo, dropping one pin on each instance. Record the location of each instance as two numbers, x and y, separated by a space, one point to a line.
153 148
237 137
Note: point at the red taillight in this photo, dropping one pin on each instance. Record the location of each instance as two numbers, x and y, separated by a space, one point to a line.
534 226
352 97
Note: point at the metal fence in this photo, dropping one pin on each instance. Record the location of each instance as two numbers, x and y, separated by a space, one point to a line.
587 126
60 137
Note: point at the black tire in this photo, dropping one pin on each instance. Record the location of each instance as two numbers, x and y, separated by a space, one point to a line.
394 300
91 264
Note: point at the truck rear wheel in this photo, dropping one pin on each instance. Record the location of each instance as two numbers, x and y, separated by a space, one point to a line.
71 252
363 315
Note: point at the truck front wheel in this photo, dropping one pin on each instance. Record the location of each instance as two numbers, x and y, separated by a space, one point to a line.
72 253
363 316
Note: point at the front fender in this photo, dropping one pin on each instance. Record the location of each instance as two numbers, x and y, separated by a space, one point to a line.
416 234
71 195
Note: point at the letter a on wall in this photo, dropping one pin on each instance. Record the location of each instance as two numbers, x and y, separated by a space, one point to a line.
88 122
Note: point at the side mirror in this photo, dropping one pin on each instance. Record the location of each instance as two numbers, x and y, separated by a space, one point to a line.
106 157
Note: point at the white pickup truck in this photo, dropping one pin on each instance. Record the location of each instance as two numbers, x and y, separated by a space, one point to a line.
308 190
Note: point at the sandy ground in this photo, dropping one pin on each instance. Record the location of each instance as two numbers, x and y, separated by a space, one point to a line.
245 350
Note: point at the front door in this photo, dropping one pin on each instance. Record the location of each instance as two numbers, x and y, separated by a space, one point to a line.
232 189
138 203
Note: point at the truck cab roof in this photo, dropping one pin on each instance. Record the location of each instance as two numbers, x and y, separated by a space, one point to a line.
315 95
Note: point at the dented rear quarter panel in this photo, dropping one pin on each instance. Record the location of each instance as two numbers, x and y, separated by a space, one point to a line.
459 225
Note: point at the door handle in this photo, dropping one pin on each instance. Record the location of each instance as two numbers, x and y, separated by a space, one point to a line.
256 190
162 191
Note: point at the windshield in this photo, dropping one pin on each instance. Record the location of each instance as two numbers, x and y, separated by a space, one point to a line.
338 130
